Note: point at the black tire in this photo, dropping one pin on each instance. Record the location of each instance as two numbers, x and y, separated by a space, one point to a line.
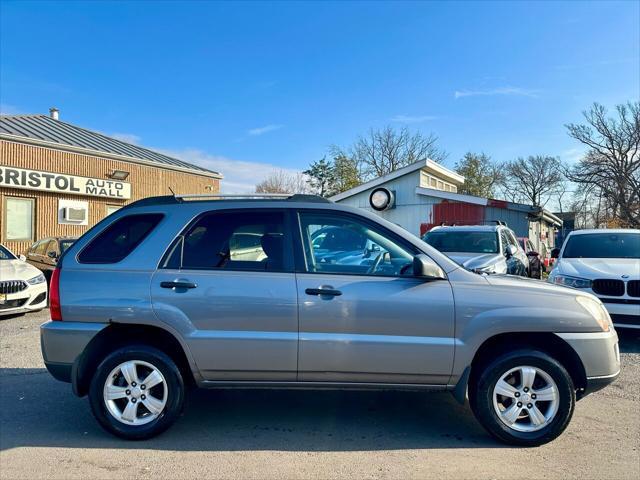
481 397
175 394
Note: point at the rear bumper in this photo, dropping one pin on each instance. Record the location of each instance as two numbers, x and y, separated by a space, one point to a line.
62 343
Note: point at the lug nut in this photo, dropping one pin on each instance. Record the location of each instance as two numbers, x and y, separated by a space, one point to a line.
143 397
128 392
133 400
526 389
533 395
133 384
143 386
529 405
519 404
517 394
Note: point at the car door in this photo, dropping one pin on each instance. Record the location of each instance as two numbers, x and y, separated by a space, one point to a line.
233 297
363 317
50 257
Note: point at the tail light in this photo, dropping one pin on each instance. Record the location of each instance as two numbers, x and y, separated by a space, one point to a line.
54 296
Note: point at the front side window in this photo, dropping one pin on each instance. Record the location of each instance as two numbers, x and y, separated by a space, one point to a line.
119 239
463 241
343 244
603 245
254 241
18 218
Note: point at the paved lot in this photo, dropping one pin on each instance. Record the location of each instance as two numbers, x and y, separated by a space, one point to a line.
46 432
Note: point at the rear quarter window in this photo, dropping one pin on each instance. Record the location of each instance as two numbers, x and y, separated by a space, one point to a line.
119 239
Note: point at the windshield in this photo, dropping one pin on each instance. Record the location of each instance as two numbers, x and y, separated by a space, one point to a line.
603 245
6 254
65 244
463 241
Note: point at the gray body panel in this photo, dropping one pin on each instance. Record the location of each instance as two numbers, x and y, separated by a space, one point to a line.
260 328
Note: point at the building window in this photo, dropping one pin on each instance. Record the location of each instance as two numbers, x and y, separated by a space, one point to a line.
18 218
112 209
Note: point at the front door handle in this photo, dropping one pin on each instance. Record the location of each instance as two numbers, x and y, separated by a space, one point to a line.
178 284
323 291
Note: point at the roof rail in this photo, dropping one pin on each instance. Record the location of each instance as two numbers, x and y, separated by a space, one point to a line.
296 197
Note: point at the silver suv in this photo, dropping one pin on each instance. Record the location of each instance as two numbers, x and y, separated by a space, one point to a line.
175 291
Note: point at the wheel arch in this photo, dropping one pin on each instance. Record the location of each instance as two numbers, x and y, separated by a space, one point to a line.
546 342
118 335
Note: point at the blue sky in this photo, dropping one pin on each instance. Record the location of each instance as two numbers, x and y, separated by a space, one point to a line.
247 87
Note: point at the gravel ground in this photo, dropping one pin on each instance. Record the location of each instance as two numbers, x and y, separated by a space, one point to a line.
46 432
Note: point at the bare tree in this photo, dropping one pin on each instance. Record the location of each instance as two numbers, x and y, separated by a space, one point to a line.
611 168
386 150
535 179
281 181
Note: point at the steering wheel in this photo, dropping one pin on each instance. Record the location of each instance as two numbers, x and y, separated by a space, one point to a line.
376 263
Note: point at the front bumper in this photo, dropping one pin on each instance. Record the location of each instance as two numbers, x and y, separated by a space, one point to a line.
33 298
600 356
624 315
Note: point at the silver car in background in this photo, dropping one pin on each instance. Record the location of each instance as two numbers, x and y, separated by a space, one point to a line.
160 295
605 262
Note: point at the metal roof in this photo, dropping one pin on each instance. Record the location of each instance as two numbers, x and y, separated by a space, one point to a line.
43 128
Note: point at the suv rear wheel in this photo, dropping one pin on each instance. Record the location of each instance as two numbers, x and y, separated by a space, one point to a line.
523 398
137 392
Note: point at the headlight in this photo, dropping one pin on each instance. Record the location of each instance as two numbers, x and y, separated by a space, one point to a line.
36 280
574 282
597 311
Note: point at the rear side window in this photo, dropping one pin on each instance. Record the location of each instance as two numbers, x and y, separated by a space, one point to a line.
119 239
244 240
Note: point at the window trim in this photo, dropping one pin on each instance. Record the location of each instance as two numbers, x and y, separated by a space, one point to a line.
5 222
94 237
289 263
300 255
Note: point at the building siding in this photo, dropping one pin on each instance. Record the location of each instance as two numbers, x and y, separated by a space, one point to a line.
145 181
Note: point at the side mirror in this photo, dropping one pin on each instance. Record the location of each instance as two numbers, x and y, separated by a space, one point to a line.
555 253
22 258
424 267
52 255
511 251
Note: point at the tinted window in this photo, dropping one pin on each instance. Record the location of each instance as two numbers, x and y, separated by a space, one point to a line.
342 244
603 245
233 241
463 241
6 254
119 239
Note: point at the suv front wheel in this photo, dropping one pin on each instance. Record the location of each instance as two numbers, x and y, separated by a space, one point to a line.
137 392
523 397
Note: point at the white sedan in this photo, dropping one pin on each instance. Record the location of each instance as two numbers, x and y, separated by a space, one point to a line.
23 287
606 263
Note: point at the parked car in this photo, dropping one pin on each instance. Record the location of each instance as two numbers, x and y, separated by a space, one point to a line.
22 287
481 248
170 305
44 253
536 265
604 262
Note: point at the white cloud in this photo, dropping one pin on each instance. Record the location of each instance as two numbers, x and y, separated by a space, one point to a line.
506 91
240 176
6 109
262 130
412 118
126 137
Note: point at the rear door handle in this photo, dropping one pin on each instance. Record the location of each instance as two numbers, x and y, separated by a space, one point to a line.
323 291
178 284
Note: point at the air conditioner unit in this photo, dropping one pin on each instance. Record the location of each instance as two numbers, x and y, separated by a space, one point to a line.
75 214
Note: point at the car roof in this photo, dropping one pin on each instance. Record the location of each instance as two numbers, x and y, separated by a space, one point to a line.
468 228
587 231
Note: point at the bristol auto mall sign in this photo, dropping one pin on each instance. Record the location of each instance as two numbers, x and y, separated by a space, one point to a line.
61 183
